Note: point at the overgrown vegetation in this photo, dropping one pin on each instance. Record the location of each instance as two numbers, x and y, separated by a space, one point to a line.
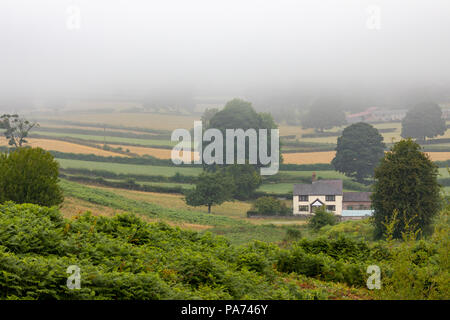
126 258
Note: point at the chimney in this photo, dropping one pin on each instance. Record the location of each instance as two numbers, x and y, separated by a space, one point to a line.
313 179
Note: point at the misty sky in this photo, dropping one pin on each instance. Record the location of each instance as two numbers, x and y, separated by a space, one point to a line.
219 47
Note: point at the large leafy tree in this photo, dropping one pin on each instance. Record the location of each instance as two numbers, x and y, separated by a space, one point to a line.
325 113
29 175
16 129
211 189
207 115
246 179
358 151
239 114
406 183
423 121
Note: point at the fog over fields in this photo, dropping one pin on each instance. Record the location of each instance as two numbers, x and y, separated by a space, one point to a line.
261 50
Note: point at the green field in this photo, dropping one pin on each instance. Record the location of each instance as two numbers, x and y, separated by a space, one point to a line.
331 174
325 174
109 139
119 168
281 188
443 173
186 186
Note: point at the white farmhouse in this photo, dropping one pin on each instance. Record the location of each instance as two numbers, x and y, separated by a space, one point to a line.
329 193
307 197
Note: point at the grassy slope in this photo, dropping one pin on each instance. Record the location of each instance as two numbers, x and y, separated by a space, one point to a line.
228 220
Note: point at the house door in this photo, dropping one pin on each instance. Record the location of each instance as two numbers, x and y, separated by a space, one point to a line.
316 204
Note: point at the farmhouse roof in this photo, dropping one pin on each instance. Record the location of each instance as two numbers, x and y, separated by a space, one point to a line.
356 196
319 187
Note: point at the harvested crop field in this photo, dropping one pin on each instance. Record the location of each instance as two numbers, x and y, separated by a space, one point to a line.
439 156
308 157
141 120
327 156
63 146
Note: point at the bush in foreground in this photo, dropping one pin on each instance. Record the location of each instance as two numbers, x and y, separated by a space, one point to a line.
322 218
126 258
29 175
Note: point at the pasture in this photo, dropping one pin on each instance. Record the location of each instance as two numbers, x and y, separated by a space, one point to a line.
161 148
128 168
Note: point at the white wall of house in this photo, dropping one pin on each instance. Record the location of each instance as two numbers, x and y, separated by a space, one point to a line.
311 198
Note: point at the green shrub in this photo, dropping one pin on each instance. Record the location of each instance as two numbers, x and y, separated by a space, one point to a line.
343 248
356 229
321 266
322 218
30 228
29 175
270 206
292 234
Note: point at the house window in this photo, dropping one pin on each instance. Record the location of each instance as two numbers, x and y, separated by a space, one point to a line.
330 198
331 208
303 208
303 198
349 208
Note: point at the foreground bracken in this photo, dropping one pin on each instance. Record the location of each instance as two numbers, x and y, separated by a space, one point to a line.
124 257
